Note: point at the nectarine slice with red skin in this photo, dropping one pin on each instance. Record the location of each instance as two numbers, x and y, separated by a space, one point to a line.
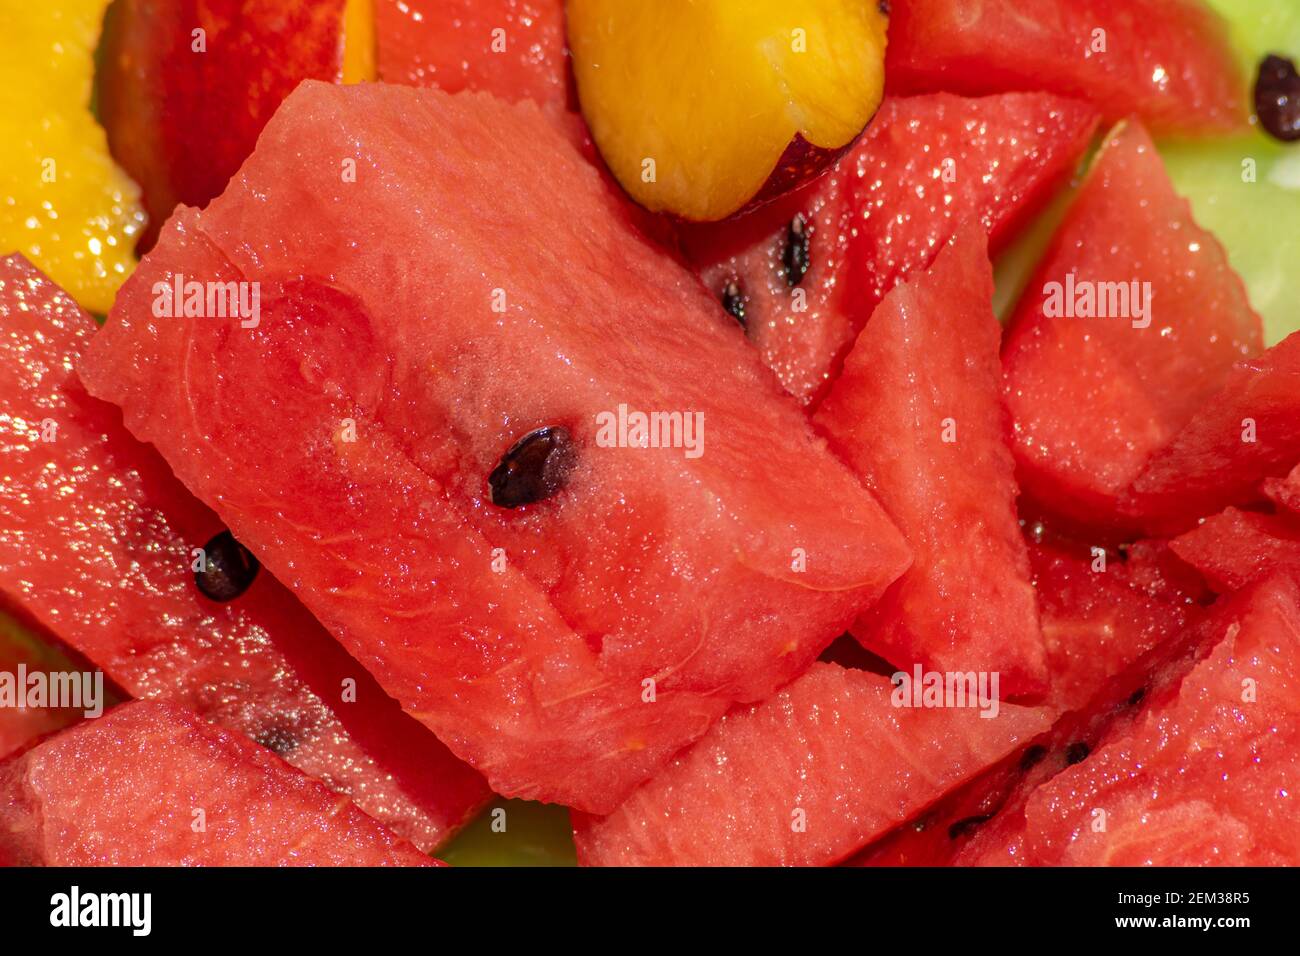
700 112
183 108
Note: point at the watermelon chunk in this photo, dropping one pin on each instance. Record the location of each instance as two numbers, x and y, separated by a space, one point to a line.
1205 775
151 784
1234 548
1096 621
924 166
19 726
1166 61
1093 398
524 637
918 415
983 822
802 779
99 550
1246 433
514 49
1285 492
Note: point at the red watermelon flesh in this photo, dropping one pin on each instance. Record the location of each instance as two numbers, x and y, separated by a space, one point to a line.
523 637
1205 775
802 779
918 414
1166 61
514 49
1151 565
1096 621
1234 548
19 726
1285 492
127 789
1248 432
983 822
1093 398
925 166
99 551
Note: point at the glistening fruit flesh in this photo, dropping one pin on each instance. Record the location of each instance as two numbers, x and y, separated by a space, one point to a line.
698 111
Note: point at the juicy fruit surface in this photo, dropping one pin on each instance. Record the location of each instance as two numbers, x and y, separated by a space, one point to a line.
1093 398
1234 548
917 413
166 103
99 547
1285 492
1181 78
19 726
513 49
1205 775
1097 621
1249 431
64 203
537 675
121 790
804 778
766 97
925 166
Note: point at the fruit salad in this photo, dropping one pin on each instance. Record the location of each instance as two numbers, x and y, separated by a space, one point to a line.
675 433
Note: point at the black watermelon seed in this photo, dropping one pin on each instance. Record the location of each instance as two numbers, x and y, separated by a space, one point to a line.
884 7
797 255
1076 753
228 568
1135 698
536 467
968 825
1277 98
1032 757
733 300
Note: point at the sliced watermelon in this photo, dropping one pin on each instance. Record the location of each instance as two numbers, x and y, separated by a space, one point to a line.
151 784
1151 565
918 414
523 636
1167 61
925 166
20 654
1096 620
1248 432
1234 548
802 779
983 822
513 49
1093 398
1205 775
1285 492
100 550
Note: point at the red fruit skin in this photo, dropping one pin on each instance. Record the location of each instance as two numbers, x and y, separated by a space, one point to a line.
122 790
1234 548
832 745
1204 775
656 565
882 212
449 44
98 548
1168 62
917 413
1249 431
181 122
1092 399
